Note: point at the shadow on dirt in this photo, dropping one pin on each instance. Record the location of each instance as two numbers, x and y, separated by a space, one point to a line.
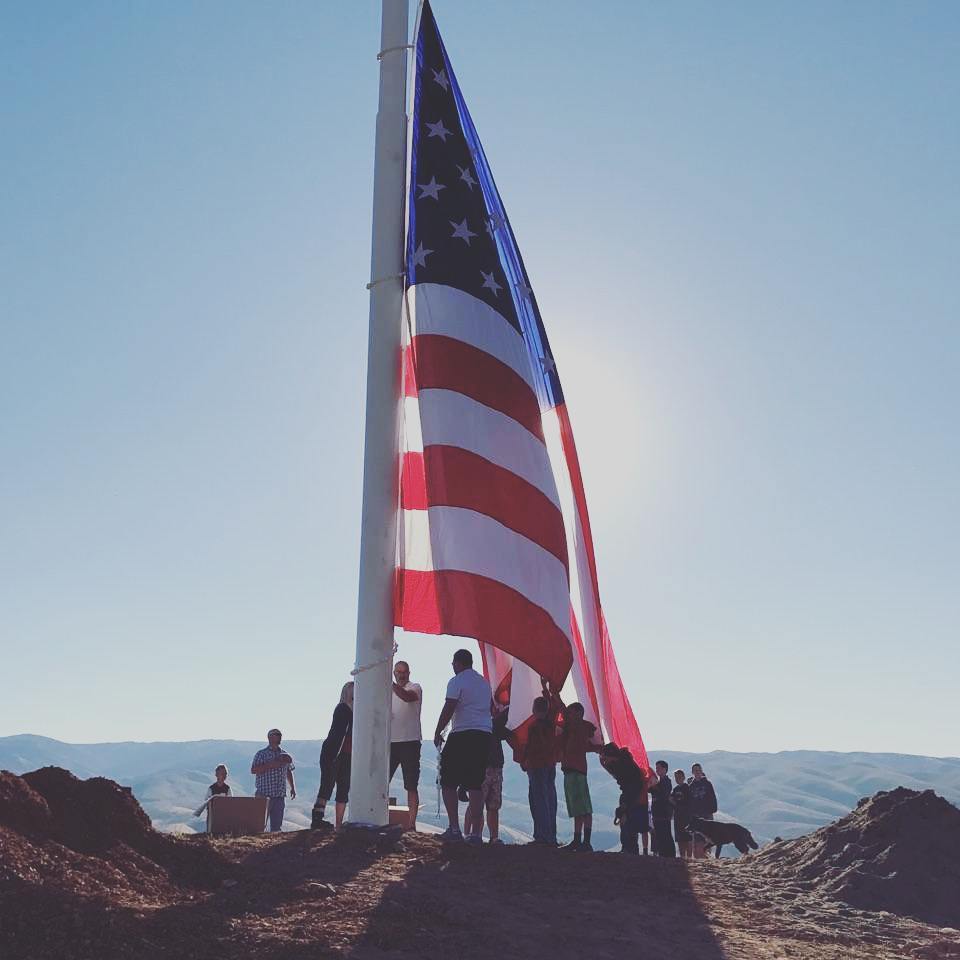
474 904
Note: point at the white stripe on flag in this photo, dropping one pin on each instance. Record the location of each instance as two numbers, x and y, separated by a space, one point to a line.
450 418
448 312
582 600
451 538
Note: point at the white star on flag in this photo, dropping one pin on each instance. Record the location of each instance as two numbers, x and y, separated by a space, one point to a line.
439 130
466 176
462 231
524 290
440 76
420 256
431 189
547 364
490 282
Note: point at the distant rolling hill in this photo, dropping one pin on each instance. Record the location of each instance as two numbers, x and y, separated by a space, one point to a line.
776 794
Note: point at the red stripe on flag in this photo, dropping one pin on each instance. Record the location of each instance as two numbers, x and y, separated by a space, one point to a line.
409 377
467 605
452 477
443 363
413 484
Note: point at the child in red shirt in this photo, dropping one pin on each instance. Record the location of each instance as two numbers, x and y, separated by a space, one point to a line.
576 740
540 764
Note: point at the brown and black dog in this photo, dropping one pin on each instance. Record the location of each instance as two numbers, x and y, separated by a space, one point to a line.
719 832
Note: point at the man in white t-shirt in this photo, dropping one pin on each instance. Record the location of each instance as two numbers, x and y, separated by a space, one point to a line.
463 762
405 735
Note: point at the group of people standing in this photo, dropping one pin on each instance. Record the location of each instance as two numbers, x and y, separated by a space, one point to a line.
471 761
471 769
566 739
672 806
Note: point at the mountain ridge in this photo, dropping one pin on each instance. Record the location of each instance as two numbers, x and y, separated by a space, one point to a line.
786 794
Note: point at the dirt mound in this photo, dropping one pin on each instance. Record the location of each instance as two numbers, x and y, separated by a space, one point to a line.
77 841
898 851
21 807
90 816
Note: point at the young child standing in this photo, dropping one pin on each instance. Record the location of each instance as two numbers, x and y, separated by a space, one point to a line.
576 740
219 788
540 764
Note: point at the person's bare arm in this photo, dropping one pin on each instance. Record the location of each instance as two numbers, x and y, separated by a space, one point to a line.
446 714
408 696
293 785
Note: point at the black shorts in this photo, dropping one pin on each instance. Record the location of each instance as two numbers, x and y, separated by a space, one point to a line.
463 762
335 773
406 756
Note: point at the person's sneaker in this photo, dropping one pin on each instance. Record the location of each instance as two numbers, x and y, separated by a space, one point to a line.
496 841
451 836
474 840
586 847
572 845
318 823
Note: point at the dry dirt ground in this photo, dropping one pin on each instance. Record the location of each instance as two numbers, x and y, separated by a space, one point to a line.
308 895
84 876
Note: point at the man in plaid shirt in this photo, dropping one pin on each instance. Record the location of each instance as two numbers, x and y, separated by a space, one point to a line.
273 769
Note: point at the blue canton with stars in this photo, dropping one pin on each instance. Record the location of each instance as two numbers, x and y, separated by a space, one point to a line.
458 233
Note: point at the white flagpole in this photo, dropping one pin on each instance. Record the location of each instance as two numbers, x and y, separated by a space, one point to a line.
378 532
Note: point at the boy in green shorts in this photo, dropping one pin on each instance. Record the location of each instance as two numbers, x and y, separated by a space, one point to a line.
576 740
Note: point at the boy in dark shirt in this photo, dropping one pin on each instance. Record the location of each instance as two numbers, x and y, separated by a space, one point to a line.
703 803
680 798
576 740
661 811
219 788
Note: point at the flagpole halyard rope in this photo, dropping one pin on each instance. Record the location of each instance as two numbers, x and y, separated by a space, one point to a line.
392 276
376 663
402 46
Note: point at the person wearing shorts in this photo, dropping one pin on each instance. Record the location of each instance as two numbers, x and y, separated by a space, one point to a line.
492 788
335 763
405 735
576 740
463 761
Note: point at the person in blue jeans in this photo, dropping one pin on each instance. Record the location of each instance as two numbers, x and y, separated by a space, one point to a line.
540 763
273 768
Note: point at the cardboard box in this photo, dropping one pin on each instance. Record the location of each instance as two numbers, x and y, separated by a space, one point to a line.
236 816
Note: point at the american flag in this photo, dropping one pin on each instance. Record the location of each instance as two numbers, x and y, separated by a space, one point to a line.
495 541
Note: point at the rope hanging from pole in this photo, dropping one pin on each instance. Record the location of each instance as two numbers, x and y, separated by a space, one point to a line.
376 663
402 46
392 276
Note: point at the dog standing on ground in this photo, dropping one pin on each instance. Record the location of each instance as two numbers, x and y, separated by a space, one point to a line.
718 832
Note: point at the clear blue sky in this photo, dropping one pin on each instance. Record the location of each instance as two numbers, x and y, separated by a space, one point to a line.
742 222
